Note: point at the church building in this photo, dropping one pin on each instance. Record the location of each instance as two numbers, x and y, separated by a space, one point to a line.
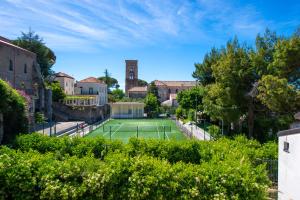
167 90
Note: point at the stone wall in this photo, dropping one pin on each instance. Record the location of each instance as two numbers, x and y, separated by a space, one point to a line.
89 114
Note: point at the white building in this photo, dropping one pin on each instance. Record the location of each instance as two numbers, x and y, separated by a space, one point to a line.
289 164
66 82
127 110
92 87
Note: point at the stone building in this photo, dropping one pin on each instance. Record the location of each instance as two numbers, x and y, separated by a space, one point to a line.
93 88
20 69
66 82
138 92
167 90
131 79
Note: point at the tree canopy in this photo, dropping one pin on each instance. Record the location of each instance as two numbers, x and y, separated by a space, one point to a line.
244 86
111 82
151 105
34 43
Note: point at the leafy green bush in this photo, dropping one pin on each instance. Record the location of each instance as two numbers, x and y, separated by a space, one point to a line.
214 131
32 175
13 107
93 168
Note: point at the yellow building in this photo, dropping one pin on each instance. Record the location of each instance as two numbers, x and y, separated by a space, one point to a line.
127 110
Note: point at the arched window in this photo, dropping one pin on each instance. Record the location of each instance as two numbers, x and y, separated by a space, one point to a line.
131 74
25 69
169 90
176 91
11 67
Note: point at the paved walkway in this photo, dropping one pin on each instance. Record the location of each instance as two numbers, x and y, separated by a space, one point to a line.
57 127
197 132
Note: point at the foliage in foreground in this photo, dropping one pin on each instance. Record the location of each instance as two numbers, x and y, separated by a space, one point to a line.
85 168
13 107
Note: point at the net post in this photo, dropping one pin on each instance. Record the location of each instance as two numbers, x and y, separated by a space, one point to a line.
137 131
164 132
103 128
110 132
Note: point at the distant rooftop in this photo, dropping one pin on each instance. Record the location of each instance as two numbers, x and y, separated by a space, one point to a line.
175 83
91 80
61 74
138 89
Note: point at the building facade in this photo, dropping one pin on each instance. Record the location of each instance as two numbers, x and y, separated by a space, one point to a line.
131 78
137 92
127 110
66 82
289 164
167 90
92 87
20 69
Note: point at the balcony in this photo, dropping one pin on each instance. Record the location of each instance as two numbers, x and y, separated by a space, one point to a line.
82 100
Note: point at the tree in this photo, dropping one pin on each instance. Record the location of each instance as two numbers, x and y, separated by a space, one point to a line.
34 43
277 95
117 95
142 82
109 81
57 92
191 98
153 90
203 71
151 105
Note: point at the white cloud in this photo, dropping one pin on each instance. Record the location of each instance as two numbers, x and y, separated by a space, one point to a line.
114 23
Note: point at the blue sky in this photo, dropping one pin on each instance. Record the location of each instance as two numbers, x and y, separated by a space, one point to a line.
166 36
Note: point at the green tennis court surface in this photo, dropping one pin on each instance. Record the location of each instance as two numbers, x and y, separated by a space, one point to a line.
123 129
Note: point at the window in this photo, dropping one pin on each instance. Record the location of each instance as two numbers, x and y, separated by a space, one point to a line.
25 69
11 67
176 91
131 73
90 90
169 90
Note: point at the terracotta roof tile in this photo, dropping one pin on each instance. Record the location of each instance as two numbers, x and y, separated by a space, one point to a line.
91 80
138 89
175 83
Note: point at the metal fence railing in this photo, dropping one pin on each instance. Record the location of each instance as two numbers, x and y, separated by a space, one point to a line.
272 169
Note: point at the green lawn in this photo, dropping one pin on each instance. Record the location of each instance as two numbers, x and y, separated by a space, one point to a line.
123 129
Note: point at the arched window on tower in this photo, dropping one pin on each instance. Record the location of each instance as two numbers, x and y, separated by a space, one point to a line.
131 74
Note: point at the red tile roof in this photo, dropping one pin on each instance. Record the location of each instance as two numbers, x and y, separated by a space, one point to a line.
91 80
175 83
138 89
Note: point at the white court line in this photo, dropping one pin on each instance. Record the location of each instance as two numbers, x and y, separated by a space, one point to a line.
114 131
117 129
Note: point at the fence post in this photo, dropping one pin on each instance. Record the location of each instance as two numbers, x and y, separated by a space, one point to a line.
50 128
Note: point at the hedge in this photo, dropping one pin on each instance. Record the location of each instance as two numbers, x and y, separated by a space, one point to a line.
93 168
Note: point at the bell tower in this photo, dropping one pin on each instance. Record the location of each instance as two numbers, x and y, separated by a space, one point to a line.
131 79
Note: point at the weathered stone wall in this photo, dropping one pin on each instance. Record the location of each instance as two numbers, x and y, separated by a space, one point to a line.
131 79
80 113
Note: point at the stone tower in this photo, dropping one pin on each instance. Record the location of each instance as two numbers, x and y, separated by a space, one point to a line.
131 79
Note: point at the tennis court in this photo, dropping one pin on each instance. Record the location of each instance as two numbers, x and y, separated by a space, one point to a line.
123 129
